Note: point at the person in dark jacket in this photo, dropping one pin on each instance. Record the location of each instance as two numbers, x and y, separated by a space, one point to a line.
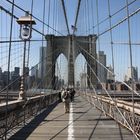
72 93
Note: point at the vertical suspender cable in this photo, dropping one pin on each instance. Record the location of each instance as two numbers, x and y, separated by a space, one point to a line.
48 16
26 62
56 20
85 82
42 58
9 59
60 67
88 16
29 45
65 15
86 20
77 14
131 65
54 11
97 12
59 18
110 25
92 15
1 56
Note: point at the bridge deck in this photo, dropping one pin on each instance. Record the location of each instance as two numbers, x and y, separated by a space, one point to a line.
84 122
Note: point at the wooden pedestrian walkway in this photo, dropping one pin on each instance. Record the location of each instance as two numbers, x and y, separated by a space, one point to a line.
84 122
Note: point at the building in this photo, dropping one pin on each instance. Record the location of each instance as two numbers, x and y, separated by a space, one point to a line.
34 71
14 73
42 65
17 70
15 79
5 78
1 81
110 75
77 84
83 80
101 71
128 76
0 74
27 71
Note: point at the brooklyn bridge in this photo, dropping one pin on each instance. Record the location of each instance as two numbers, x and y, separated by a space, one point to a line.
91 46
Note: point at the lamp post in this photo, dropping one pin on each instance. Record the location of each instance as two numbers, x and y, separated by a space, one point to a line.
25 23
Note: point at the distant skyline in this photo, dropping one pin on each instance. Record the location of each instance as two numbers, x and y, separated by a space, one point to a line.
86 21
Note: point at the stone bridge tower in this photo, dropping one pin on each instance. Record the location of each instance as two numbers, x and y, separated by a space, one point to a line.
71 46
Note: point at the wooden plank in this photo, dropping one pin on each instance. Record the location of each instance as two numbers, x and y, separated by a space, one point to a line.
82 123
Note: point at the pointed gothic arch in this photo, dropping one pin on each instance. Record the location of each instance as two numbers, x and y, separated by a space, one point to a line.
70 47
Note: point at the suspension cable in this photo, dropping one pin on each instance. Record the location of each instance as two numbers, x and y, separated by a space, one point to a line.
120 22
94 90
54 13
42 67
65 15
131 65
77 13
13 41
106 68
29 43
48 16
8 76
98 28
122 115
111 39
8 12
88 19
92 15
35 17
111 98
25 73
115 13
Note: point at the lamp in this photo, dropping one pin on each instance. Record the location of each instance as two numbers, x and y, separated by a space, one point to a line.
25 23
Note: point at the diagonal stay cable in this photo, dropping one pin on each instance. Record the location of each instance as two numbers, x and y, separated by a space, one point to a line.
116 42
93 88
13 41
25 73
106 68
77 13
65 15
110 96
96 94
120 22
35 18
15 17
40 84
111 15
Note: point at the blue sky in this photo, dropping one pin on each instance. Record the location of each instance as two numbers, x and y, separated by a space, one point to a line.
38 12
120 33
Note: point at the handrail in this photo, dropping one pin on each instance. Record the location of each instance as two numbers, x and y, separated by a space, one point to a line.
20 111
123 116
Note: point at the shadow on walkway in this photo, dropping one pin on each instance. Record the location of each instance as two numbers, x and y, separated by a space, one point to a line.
24 133
95 126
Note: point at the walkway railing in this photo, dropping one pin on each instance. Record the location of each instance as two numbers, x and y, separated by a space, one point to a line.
120 111
20 112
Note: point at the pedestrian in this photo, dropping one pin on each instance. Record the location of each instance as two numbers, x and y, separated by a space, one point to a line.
65 96
72 93
59 96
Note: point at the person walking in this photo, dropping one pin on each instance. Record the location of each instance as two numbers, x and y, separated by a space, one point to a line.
72 93
65 96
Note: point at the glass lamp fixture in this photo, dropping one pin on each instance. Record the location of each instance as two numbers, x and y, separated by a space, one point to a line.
26 23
